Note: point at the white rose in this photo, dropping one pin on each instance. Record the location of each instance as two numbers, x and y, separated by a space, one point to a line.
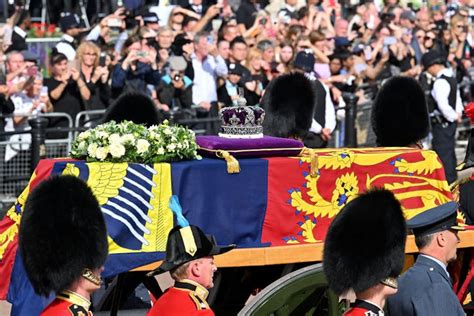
115 138
171 147
102 134
179 146
142 146
161 151
128 138
84 135
167 131
102 153
117 150
92 150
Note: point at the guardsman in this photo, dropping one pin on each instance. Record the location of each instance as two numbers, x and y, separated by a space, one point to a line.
63 242
190 261
426 288
364 251
399 115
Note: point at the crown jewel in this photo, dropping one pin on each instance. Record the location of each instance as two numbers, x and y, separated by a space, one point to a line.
241 121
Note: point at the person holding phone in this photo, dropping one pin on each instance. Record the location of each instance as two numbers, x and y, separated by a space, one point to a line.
27 103
94 75
460 47
137 68
175 92
67 92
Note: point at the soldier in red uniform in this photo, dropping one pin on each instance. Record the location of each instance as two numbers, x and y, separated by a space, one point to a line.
364 251
63 242
190 261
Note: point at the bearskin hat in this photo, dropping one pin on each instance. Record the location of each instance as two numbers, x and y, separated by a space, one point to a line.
133 106
399 115
365 243
289 104
62 232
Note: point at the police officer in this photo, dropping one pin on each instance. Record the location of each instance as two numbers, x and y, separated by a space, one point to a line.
447 110
70 24
364 250
426 288
63 242
190 261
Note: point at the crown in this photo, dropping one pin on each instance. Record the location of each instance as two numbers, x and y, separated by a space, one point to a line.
241 121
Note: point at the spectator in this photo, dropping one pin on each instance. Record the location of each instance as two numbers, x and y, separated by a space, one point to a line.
32 101
228 93
257 81
95 76
175 89
208 65
246 14
285 57
67 91
223 47
137 69
151 20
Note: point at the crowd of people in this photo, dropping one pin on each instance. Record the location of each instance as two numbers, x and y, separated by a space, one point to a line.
195 57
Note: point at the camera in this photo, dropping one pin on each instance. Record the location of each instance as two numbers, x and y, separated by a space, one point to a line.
141 54
102 59
177 77
263 21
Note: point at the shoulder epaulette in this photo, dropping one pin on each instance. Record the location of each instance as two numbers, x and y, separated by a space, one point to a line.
200 303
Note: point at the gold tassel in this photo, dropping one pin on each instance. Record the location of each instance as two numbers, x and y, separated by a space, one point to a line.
232 163
314 165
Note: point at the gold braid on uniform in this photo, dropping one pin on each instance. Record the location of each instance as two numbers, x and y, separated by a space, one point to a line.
78 302
91 277
197 293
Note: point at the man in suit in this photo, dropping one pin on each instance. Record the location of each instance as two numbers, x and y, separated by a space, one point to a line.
426 288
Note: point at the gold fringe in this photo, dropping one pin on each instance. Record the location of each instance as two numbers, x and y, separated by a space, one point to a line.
232 163
314 163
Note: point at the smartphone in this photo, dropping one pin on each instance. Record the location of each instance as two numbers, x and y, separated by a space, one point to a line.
114 23
263 21
44 91
102 59
465 28
142 54
210 40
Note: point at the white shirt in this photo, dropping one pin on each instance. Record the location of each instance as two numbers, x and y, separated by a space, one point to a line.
440 93
205 74
442 265
330 117
23 105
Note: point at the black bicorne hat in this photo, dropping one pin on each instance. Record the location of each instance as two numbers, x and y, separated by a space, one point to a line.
365 243
186 244
62 233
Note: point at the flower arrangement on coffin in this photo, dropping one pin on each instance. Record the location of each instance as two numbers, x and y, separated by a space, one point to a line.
130 142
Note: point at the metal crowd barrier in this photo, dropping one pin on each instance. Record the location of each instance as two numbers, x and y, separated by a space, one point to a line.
19 155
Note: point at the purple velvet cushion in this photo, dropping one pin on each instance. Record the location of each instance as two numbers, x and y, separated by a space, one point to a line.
259 147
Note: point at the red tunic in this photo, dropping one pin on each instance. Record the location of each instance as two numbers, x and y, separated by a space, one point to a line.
364 308
185 298
68 303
